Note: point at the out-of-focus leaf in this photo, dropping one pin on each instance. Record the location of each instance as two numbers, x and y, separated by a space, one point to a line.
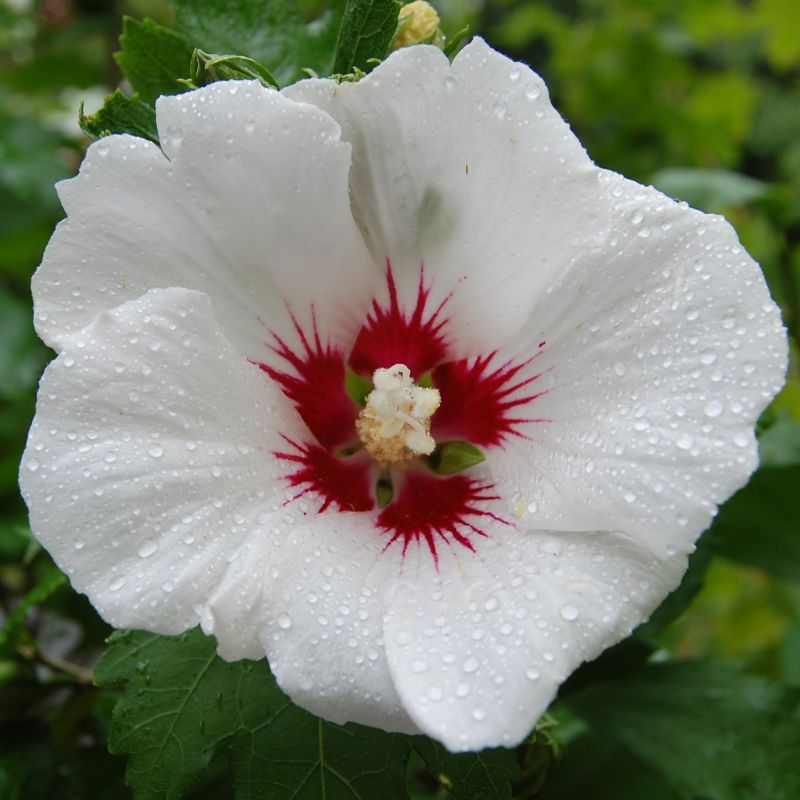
22 355
122 114
50 583
790 656
597 768
679 600
489 775
713 190
273 32
708 730
779 445
27 761
153 58
183 705
759 524
621 659
14 541
365 34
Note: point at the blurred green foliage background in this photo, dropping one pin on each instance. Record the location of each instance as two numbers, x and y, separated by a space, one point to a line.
699 97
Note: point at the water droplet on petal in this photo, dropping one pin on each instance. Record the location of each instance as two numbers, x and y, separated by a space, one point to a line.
532 673
284 622
147 548
569 613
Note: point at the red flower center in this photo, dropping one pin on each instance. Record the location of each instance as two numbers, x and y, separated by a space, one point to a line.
482 402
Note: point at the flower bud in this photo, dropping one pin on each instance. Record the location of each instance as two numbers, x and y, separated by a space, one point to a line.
418 24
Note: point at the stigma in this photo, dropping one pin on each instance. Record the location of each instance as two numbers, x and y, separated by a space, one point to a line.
394 425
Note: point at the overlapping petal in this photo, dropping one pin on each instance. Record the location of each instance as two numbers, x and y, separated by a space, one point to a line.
310 590
247 202
479 646
150 446
470 171
663 346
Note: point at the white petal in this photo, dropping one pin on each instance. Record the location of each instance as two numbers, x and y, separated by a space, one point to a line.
469 170
249 205
151 437
662 349
309 590
478 649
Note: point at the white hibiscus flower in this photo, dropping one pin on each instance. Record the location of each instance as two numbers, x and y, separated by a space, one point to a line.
196 458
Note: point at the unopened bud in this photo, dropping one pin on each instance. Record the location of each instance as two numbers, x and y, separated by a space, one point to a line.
418 24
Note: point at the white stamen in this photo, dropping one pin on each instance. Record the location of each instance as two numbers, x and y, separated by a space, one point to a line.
395 424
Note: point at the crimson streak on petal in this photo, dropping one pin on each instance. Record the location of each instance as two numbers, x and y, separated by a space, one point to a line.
317 387
345 483
433 509
390 337
479 401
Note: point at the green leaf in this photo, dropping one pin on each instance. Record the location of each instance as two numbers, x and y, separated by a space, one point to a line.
183 706
153 58
758 525
121 114
452 457
489 775
207 68
273 32
366 32
709 189
709 730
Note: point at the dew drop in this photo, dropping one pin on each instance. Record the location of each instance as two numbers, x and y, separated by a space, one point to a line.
419 666
147 548
532 674
284 622
470 665
713 408
403 638
569 613
155 450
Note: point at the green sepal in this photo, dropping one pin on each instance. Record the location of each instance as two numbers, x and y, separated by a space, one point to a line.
121 114
452 457
452 44
357 387
205 68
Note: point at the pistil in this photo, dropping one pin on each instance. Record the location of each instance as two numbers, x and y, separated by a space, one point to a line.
394 426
